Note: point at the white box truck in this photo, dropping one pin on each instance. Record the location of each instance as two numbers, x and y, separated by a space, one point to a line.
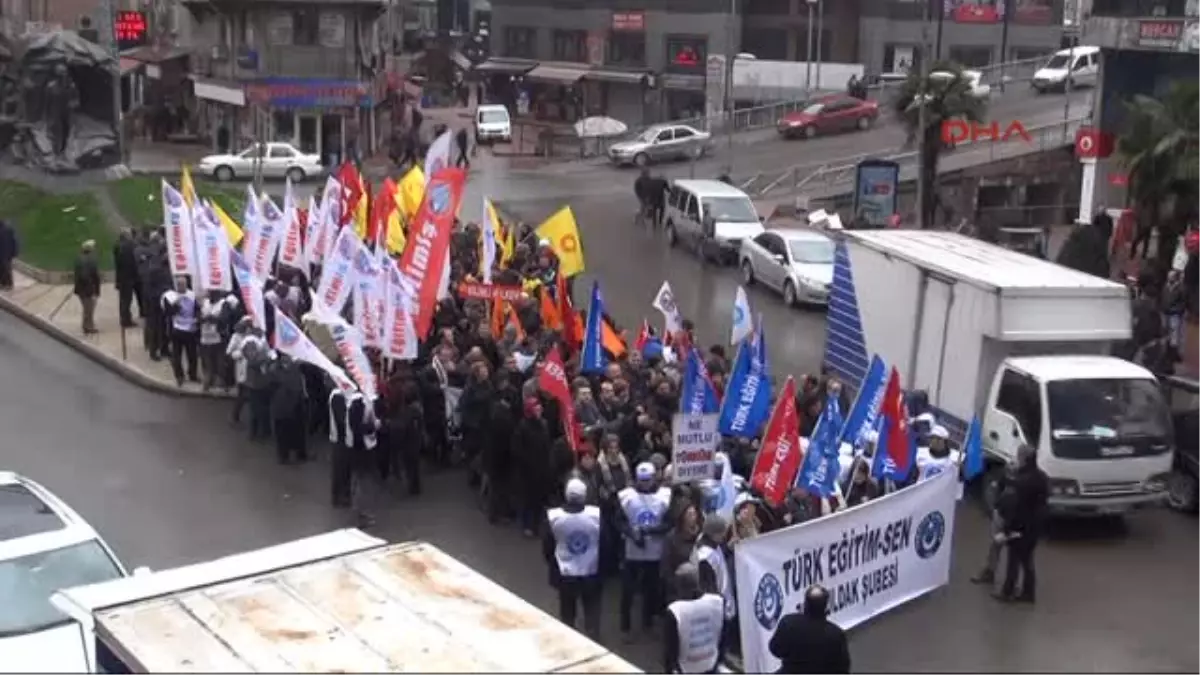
1017 340
340 602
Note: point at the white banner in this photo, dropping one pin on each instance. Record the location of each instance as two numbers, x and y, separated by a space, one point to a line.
368 296
664 302
337 273
316 243
694 440
290 340
266 242
212 251
181 245
349 343
871 558
399 333
291 249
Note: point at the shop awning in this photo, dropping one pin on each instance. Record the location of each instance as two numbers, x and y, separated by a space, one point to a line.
221 91
501 66
558 73
617 75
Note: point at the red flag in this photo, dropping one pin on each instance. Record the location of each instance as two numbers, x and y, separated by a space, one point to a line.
643 337
425 256
899 448
572 333
352 190
552 379
780 456
381 208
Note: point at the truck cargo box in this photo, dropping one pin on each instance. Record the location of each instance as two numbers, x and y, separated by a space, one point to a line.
342 602
946 310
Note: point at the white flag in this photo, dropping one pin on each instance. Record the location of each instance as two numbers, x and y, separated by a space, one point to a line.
212 250
349 343
664 302
291 252
438 156
399 333
743 324
181 244
337 274
290 340
488 260
367 296
319 232
251 290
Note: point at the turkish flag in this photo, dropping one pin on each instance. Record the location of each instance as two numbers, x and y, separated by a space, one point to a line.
429 244
552 379
780 455
899 444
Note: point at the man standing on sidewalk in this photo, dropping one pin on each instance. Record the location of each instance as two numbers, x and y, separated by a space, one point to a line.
126 267
87 285
8 251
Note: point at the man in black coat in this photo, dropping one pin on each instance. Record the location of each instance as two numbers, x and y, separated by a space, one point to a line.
87 284
125 265
1022 508
808 642
8 250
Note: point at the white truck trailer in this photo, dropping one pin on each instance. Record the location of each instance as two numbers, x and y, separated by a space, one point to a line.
1018 341
341 602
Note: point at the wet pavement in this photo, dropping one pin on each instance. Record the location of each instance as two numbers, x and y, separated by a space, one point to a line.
168 481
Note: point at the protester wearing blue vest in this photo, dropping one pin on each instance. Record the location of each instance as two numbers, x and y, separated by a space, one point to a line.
572 549
183 315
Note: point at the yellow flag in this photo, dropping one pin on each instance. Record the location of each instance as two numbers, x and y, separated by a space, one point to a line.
410 191
508 246
493 221
232 230
187 187
562 232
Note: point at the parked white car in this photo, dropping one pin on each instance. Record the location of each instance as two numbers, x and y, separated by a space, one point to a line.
979 88
279 160
45 547
1074 67
492 124
796 263
661 143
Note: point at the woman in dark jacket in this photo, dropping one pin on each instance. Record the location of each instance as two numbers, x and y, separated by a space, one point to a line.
532 476
680 542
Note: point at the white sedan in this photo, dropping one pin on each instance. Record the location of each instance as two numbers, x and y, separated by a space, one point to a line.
797 263
44 547
278 160
979 88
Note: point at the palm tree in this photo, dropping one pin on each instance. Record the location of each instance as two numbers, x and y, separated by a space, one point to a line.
1159 149
946 94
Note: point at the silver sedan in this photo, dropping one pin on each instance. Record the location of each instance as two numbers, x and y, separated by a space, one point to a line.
796 263
661 143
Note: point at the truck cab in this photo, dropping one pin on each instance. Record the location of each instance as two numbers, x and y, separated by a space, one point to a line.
1099 424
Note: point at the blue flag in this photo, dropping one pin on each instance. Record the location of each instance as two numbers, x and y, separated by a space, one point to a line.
698 396
747 403
594 358
973 450
828 430
882 465
820 470
866 404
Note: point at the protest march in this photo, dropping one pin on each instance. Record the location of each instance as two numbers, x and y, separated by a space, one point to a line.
373 319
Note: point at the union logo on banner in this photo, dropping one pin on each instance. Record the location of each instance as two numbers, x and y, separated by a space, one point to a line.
345 248
174 199
286 334
439 198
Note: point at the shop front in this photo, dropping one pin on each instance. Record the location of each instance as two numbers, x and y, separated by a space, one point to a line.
221 114
684 79
555 92
326 117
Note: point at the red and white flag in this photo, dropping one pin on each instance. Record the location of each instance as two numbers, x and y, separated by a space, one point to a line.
428 249
552 379
780 455
291 247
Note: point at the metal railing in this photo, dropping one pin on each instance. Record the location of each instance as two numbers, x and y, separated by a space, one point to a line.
827 177
996 75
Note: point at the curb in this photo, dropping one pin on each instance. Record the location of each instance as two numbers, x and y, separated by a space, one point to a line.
104 359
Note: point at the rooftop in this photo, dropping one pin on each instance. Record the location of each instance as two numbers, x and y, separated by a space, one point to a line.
1050 368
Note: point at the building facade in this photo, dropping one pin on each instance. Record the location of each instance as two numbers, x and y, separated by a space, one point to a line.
307 73
972 32
638 62
1146 46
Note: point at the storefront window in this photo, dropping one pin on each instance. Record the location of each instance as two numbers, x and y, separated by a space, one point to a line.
284 124
626 49
686 54
570 45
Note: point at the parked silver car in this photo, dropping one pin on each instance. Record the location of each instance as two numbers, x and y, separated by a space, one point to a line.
797 263
279 160
661 143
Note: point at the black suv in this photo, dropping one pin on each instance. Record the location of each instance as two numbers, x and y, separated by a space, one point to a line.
1183 395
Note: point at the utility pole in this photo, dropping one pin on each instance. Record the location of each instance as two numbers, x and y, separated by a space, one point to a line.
1004 40
923 98
808 57
730 58
109 26
820 38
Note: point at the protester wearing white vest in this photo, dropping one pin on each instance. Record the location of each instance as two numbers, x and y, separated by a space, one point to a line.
572 549
937 456
694 626
716 574
182 313
644 525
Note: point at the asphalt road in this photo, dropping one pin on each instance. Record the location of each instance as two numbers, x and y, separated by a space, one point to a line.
169 482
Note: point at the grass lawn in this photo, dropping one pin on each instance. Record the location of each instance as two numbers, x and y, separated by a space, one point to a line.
50 227
139 199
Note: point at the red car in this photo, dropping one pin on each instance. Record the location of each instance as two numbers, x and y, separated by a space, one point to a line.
829 115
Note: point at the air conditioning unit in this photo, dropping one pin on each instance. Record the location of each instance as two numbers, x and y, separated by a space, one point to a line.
219 53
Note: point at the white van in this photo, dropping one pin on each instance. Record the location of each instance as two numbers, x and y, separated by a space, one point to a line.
712 215
1078 65
492 124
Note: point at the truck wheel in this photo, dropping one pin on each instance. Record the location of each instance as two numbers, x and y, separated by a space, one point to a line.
1182 492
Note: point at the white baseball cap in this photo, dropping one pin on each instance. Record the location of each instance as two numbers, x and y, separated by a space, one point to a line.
576 490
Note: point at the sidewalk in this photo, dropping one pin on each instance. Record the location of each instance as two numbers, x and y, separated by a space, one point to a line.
54 309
